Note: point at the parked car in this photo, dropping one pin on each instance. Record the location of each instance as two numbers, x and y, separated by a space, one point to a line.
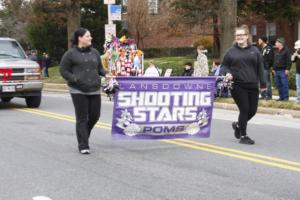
19 76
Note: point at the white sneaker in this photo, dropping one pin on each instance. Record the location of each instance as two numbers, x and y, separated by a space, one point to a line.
85 151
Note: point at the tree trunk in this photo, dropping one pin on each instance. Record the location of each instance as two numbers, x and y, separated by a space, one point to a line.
228 12
216 34
73 18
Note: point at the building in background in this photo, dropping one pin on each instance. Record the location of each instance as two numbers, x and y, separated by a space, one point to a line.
153 24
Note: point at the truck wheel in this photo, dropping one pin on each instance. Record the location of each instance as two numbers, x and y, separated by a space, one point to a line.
33 101
6 99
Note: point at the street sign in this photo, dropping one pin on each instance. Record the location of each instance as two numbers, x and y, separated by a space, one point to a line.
115 12
124 2
152 6
109 1
110 29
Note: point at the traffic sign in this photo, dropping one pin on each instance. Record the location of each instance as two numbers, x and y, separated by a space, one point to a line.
115 12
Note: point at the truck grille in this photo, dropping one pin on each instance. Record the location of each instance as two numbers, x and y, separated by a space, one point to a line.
18 70
9 74
13 78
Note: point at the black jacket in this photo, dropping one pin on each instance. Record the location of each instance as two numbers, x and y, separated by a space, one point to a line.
81 68
297 61
268 56
282 59
245 65
188 72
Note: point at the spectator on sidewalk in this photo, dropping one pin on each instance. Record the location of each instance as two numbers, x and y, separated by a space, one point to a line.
46 62
268 57
188 69
201 65
152 71
81 67
282 66
216 68
33 55
296 58
243 63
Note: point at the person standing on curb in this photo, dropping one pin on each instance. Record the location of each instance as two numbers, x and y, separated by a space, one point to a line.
188 69
151 71
46 62
268 56
296 58
243 64
282 66
201 65
81 66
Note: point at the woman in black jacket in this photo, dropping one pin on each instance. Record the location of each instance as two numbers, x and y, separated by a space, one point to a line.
81 68
243 64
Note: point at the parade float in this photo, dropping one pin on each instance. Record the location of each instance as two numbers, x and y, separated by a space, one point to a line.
121 57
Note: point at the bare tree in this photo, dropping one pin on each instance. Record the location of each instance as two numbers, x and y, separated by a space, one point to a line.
60 10
72 8
137 16
228 16
14 15
221 15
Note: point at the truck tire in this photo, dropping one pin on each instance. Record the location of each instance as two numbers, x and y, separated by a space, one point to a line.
6 99
33 101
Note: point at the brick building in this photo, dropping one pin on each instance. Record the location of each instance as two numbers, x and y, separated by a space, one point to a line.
159 21
279 28
175 34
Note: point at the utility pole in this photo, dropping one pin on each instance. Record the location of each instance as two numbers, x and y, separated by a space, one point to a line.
110 27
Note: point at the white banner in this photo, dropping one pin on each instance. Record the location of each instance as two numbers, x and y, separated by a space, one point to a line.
109 1
110 29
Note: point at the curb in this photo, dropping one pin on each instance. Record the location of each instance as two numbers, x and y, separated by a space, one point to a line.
54 87
264 110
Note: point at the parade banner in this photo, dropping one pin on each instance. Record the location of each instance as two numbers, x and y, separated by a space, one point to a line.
163 107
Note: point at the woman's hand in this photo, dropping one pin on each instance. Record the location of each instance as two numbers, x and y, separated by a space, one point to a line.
228 76
108 76
286 72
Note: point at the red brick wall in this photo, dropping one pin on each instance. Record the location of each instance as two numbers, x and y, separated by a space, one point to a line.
181 35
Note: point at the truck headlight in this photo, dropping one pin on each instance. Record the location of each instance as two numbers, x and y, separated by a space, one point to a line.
32 77
32 70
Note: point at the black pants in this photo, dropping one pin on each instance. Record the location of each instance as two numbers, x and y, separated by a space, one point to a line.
87 110
247 100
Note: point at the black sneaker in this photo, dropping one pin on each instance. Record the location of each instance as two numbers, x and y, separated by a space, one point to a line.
246 140
236 129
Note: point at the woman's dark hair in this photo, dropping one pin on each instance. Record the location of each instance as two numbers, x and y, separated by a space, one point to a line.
79 33
189 64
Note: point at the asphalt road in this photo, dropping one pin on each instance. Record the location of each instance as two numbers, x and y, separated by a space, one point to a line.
39 157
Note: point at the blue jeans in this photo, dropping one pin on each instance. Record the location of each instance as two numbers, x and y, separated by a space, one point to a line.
45 72
282 83
267 77
298 86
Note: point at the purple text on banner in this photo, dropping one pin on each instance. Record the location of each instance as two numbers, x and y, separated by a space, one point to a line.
163 107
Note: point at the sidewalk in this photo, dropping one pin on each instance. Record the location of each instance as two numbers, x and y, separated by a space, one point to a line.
53 87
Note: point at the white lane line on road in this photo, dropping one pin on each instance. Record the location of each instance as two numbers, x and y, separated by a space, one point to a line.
41 198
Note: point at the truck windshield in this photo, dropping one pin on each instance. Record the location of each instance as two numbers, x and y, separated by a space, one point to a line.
10 49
